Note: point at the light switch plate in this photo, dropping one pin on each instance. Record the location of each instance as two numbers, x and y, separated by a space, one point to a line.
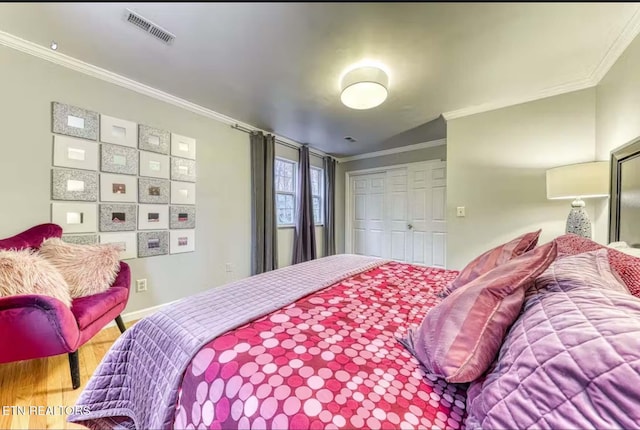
460 211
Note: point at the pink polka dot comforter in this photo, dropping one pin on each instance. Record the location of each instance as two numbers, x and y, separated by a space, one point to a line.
328 361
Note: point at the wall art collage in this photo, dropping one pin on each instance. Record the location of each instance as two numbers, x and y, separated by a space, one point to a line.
116 181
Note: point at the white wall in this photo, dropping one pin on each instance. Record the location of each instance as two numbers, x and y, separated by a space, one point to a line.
286 234
434 153
617 116
28 85
496 163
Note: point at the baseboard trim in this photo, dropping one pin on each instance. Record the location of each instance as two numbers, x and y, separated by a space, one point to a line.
137 315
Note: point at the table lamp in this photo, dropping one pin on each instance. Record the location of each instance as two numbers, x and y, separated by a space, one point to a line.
577 182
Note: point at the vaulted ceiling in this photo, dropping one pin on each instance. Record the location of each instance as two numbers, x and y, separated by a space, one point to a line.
277 66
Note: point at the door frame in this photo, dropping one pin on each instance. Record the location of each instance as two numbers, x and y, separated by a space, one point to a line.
347 194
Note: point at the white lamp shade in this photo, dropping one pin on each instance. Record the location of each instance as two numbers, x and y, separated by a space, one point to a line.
582 180
364 88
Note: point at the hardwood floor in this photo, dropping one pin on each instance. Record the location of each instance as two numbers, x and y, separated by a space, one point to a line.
27 385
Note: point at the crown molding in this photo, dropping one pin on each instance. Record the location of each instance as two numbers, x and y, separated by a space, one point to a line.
524 98
39 51
622 42
628 34
398 150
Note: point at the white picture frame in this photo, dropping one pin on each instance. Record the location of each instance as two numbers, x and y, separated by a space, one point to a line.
75 153
75 217
128 240
183 193
118 188
154 165
153 217
183 146
182 241
118 131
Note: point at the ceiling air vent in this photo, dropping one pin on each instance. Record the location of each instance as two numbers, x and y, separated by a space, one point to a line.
148 26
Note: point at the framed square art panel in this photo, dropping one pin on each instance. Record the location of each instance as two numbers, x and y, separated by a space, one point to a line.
183 146
154 191
118 188
151 243
183 193
75 121
118 131
181 217
75 153
75 217
118 159
182 241
154 165
153 217
183 169
117 217
153 139
80 239
128 243
73 184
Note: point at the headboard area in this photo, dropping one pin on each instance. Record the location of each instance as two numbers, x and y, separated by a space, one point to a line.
624 208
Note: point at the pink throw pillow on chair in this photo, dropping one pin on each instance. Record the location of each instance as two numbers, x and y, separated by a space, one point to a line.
25 272
492 258
459 338
88 269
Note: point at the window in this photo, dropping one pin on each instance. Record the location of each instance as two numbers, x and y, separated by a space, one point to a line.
317 193
285 177
285 181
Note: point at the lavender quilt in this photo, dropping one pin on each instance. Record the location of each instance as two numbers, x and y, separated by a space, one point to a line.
136 384
571 360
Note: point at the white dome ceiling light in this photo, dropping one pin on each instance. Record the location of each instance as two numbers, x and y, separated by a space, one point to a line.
364 88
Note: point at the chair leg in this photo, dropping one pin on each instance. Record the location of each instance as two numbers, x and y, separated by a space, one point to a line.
120 324
75 369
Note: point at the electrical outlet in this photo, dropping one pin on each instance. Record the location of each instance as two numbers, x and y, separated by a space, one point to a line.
141 285
229 267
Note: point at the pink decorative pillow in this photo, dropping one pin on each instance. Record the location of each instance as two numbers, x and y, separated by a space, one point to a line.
459 338
492 258
88 269
25 272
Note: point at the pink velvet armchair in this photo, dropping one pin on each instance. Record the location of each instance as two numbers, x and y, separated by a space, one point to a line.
37 326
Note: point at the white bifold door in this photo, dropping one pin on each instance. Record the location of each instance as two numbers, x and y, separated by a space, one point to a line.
400 214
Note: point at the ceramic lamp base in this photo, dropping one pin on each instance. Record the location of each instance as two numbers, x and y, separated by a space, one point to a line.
578 221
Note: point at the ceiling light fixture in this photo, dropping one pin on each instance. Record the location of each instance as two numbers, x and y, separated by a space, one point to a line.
54 45
364 87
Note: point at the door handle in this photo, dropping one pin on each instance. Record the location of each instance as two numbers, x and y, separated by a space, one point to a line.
410 226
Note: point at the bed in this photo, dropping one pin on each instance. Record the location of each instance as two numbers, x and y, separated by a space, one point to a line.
319 345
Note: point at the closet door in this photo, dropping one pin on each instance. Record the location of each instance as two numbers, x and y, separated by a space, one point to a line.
368 215
427 208
397 218
400 214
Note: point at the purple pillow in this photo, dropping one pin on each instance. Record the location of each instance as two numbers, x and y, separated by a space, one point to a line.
493 258
572 358
459 338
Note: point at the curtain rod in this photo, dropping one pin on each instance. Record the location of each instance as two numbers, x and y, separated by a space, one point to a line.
278 141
